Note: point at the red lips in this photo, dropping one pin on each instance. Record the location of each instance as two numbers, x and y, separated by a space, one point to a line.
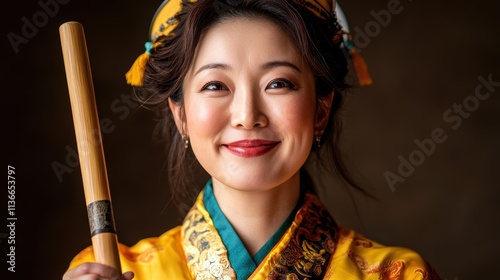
251 148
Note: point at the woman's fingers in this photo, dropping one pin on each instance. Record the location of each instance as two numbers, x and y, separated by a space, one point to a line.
95 271
129 275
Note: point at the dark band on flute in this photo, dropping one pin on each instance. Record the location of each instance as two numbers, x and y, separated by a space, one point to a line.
100 217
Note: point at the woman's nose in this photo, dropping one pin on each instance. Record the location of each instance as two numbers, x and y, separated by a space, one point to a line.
247 109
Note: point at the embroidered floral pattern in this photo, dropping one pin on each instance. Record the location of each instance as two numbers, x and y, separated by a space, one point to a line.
387 270
205 253
428 274
313 242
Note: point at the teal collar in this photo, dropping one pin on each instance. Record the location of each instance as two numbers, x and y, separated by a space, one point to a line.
241 261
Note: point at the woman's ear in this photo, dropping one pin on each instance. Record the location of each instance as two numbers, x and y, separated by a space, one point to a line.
323 114
178 112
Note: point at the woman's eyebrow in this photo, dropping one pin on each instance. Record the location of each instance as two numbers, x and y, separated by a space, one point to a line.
213 66
265 66
279 63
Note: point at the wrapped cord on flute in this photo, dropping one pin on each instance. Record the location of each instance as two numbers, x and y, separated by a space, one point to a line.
89 141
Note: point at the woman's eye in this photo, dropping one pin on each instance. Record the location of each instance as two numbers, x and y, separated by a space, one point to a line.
214 86
281 83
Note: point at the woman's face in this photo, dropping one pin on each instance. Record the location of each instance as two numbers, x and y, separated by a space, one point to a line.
249 105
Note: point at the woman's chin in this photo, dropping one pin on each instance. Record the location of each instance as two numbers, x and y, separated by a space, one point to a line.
253 182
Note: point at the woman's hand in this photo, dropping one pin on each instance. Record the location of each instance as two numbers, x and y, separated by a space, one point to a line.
96 271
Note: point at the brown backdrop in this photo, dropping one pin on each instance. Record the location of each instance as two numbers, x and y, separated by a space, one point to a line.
429 56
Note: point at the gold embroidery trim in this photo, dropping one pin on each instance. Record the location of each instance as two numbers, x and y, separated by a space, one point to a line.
205 253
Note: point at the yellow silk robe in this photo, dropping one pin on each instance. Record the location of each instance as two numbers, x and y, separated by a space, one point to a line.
313 247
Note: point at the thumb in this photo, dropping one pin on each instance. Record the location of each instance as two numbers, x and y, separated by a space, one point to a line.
129 275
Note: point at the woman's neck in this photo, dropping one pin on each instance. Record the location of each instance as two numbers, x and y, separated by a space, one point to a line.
256 216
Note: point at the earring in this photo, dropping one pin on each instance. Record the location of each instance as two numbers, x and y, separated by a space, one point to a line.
318 139
186 141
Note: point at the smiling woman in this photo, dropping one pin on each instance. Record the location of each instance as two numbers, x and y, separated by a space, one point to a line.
249 90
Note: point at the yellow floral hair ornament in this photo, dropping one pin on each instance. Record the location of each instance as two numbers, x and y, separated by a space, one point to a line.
163 23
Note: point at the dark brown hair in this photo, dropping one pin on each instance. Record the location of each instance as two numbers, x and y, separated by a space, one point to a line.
169 63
